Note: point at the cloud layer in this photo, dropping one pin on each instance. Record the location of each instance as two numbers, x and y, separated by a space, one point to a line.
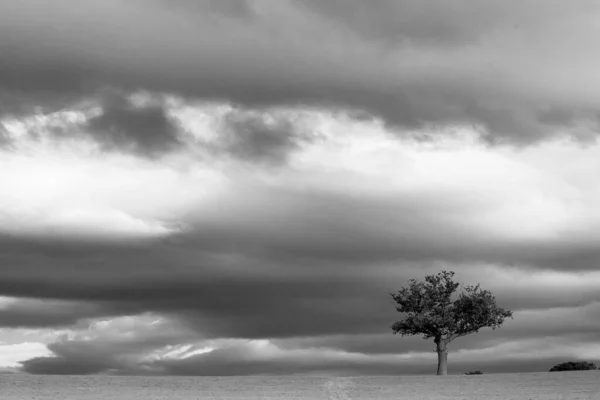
508 69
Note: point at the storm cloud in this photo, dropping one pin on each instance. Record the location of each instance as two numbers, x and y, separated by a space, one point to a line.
146 129
495 65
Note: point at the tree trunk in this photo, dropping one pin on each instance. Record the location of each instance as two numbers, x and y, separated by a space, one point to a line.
442 353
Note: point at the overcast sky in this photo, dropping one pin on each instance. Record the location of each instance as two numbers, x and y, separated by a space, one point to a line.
195 187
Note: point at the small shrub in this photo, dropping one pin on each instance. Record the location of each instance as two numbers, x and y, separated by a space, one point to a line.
474 373
574 366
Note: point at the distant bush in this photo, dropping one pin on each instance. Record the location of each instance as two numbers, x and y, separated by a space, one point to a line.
574 366
474 373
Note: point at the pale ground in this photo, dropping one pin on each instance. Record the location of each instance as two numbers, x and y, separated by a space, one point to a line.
535 386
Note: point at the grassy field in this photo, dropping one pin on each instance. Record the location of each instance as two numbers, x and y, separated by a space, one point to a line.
556 385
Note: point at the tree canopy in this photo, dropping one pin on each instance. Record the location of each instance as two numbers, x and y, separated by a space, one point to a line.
432 310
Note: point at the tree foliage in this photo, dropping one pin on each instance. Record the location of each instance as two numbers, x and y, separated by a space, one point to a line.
574 366
431 309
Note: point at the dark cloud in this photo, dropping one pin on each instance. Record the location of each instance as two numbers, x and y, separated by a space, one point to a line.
64 366
212 302
35 313
251 137
241 294
145 130
293 53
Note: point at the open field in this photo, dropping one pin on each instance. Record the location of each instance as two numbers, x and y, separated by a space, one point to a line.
560 385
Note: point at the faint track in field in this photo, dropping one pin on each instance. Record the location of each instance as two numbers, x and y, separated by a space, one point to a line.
338 388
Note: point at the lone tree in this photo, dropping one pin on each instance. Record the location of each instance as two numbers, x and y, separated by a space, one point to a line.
430 311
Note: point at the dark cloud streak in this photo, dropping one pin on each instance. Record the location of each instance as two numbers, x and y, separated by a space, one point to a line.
250 137
291 54
145 130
